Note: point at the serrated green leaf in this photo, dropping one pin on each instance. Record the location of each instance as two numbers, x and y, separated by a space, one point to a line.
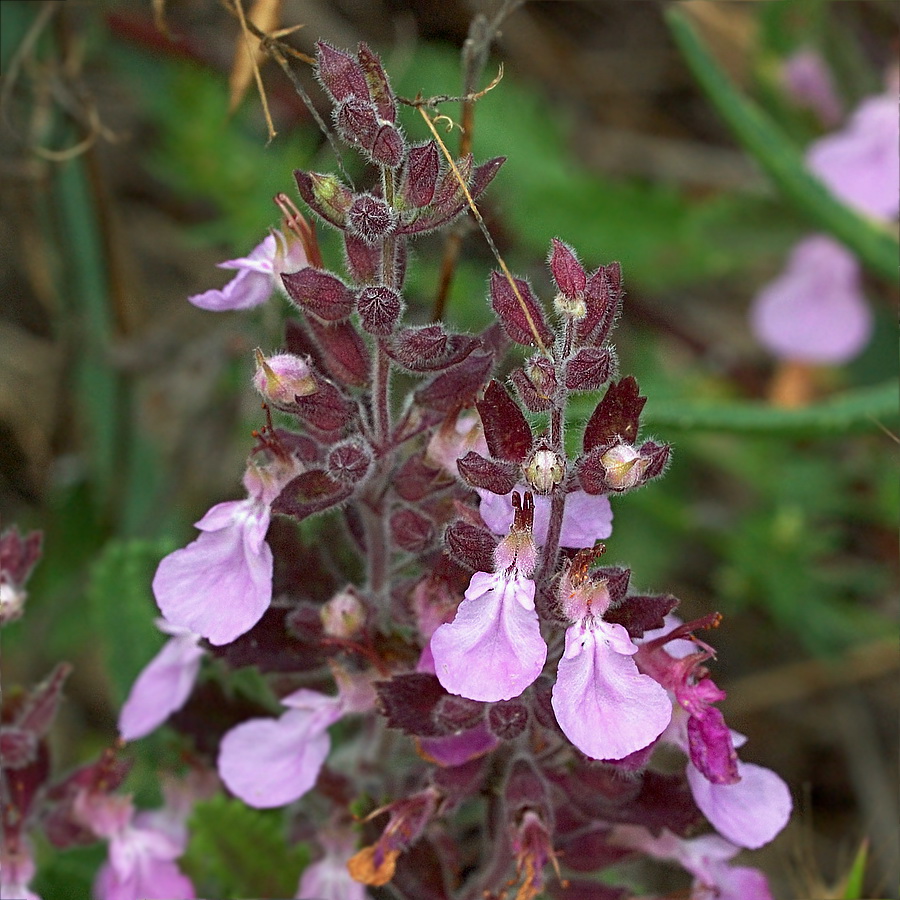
872 241
122 608
236 851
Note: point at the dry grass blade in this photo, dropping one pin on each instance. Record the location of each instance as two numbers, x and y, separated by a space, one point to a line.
266 15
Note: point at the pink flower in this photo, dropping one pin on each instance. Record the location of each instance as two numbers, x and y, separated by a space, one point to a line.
220 585
587 517
257 274
604 706
859 163
493 649
808 81
815 311
706 858
272 762
16 870
164 685
328 877
141 863
750 812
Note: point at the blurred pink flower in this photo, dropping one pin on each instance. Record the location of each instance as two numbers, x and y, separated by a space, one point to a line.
164 685
328 878
808 81
257 274
272 762
815 310
705 857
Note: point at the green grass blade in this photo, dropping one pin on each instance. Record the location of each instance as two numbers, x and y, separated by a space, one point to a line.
872 241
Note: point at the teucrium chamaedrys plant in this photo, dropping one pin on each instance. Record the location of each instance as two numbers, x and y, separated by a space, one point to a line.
534 688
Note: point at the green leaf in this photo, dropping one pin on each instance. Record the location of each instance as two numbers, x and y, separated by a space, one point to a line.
872 241
853 888
861 409
122 608
236 851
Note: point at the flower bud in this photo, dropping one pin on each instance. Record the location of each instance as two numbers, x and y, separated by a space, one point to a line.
371 218
343 615
570 307
544 470
624 467
282 378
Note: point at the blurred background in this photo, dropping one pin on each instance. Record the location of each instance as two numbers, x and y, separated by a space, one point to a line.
137 155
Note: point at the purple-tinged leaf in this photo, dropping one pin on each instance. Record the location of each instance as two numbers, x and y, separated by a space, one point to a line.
499 477
603 298
616 578
458 386
345 353
617 415
416 479
470 545
567 272
532 398
521 327
657 456
454 714
388 147
588 369
379 86
507 719
586 850
448 191
440 213
429 348
39 710
320 293
363 260
327 410
407 702
423 165
506 429
380 307
592 473
325 196
310 493
341 75
356 122
640 613
18 555
18 747
411 530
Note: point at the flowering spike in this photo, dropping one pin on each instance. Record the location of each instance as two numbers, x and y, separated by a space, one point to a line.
325 196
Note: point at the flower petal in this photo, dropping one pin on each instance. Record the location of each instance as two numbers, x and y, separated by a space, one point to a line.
748 813
162 687
220 585
587 517
272 762
604 706
859 163
815 310
493 649
246 290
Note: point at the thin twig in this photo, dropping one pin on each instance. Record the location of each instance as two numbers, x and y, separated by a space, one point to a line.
245 34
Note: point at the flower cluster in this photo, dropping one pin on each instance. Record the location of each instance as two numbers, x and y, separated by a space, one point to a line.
815 311
448 611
